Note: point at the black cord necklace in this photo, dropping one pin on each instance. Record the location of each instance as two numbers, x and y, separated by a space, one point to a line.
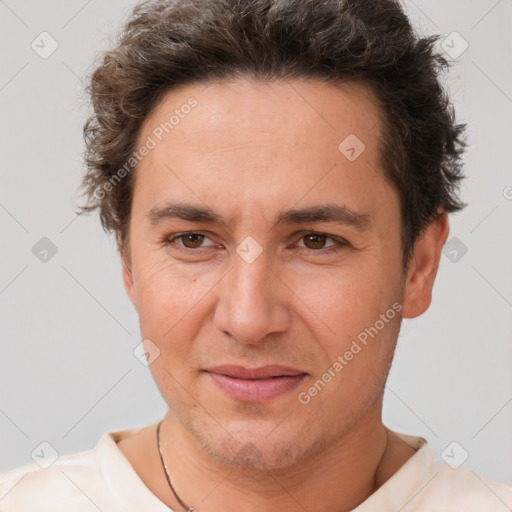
167 473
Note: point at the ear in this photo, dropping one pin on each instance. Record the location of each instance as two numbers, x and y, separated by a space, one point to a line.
423 267
128 278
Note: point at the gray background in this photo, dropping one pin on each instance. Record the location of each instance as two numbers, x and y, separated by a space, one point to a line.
67 370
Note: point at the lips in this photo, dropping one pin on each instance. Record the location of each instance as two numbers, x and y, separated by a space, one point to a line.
255 384
264 372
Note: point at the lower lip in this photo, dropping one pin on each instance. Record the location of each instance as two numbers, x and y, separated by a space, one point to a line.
256 390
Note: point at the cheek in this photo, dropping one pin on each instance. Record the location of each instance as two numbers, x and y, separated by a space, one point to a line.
160 294
344 315
173 300
354 375
343 300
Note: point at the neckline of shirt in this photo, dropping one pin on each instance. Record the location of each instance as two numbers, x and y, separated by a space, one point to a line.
130 490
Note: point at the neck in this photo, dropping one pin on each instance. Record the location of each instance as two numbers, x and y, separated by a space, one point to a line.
339 478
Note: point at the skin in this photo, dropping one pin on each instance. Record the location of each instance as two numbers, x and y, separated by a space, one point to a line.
250 150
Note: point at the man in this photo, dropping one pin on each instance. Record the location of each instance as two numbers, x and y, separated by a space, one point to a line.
278 175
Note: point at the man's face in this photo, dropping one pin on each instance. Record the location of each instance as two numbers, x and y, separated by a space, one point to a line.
250 152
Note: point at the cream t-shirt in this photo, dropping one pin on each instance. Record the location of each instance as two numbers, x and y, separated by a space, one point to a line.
103 479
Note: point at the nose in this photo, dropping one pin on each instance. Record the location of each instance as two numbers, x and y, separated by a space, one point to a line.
252 301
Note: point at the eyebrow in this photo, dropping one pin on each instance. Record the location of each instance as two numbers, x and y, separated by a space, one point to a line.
334 213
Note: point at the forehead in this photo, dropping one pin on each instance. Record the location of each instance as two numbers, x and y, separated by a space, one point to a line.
244 142
230 107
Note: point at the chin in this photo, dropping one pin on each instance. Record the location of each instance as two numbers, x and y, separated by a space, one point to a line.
246 450
259 456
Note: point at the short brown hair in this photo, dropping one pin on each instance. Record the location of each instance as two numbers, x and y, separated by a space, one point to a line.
169 43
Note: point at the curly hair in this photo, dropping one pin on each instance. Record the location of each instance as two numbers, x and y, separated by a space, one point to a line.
169 43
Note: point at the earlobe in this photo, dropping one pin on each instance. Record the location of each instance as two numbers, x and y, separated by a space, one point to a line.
423 267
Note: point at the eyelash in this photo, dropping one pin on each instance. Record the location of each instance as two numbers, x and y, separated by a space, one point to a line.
340 243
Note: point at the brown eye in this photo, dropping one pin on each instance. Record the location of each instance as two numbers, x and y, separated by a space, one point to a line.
321 243
192 240
314 241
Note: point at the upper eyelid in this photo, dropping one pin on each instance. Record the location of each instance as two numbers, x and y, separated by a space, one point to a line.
336 240
300 234
180 235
